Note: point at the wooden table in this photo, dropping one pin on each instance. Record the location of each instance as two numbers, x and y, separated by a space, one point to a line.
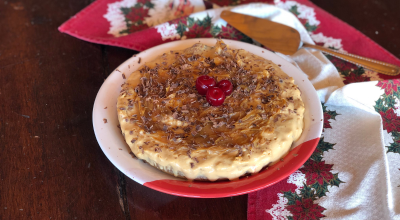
51 166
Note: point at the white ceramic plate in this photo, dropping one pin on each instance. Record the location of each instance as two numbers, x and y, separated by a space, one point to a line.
114 147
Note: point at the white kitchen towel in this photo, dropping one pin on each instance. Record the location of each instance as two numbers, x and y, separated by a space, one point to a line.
365 168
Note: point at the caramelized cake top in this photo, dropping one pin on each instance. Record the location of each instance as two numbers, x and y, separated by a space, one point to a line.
169 125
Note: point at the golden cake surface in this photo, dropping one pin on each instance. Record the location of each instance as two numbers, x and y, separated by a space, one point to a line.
169 125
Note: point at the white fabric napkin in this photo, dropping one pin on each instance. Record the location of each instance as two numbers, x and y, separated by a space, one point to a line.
370 186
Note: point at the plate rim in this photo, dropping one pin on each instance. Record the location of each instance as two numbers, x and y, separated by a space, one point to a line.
207 41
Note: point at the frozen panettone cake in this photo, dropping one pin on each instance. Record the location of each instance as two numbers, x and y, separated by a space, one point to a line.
210 113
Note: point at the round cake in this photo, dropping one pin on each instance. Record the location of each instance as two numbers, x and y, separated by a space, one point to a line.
168 124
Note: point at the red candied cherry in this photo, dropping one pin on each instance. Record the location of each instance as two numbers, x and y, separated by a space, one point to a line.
215 96
226 86
203 83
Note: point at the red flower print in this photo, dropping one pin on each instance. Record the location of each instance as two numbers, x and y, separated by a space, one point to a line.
184 8
198 31
134 28
177 20
391 122
229 32
142 1
317 172
250 1
327 124
341 65
389 85
327 116
352 78
137 14
306 209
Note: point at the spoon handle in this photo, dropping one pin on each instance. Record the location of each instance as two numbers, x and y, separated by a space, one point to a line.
375 65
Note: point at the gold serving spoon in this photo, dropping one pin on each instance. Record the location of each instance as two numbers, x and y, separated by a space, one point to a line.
286 40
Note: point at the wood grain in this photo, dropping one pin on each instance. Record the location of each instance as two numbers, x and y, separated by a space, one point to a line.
378 19
145 203
51 166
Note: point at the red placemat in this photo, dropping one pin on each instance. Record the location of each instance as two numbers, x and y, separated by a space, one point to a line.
93 24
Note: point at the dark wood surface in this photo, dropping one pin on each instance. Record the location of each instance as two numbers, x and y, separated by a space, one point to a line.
51 166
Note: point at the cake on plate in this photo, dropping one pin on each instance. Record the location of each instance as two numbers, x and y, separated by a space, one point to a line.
172 117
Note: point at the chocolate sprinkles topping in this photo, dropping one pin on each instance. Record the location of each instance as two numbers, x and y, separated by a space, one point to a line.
168 108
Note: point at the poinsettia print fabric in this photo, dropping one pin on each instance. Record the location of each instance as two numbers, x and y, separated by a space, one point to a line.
141 24
322 181
314 179
129 16
190 27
